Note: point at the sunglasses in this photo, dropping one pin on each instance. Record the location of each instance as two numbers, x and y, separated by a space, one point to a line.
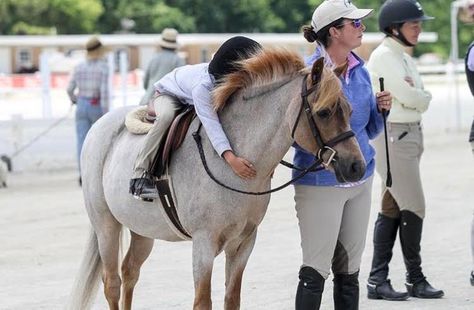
357 23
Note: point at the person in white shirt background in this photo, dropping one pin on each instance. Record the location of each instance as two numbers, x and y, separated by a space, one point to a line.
403 204
192 84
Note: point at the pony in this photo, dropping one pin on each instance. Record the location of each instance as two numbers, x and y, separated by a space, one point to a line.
262 117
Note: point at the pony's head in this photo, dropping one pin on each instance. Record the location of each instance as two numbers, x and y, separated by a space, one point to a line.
327 104
330 115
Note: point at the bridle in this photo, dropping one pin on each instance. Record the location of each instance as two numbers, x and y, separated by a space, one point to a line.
318 160
323 146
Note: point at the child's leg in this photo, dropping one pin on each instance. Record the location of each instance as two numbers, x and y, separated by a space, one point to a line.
166 108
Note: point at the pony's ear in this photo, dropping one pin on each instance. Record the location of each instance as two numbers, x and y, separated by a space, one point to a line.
317 70
338 71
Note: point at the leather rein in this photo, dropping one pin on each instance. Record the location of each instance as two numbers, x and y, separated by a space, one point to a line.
318 159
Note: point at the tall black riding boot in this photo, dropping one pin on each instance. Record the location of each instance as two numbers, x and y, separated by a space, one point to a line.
310 289
410 237
379 286
346 291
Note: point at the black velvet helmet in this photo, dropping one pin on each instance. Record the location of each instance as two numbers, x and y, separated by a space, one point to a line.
395 12
232 50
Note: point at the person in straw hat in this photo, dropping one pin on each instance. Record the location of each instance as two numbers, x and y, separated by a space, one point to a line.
163 62
88 89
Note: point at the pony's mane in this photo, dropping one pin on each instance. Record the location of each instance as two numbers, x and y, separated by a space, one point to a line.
271 65
265 67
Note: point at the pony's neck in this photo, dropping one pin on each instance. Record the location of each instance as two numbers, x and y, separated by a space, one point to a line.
256 125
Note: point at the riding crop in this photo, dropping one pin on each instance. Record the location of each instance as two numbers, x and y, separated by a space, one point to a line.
388 182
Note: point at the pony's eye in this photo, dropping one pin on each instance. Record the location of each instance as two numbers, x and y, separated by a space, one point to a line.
325 113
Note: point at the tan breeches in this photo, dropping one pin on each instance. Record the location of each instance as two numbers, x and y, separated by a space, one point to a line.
405 150
166 108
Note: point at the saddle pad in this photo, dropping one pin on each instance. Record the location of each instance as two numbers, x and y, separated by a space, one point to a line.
136 122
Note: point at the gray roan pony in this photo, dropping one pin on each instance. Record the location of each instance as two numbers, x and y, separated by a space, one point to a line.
263 104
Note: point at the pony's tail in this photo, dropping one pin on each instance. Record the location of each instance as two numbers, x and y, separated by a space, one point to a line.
88 278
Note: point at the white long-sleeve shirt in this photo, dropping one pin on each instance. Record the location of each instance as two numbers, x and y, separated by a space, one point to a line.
192 84
390 61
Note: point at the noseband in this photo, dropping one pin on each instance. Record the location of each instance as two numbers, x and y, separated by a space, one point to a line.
323 146
318 161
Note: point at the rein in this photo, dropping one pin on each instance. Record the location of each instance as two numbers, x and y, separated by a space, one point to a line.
318 160
197 138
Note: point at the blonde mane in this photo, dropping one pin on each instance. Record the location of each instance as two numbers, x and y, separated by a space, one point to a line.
270 65
265 67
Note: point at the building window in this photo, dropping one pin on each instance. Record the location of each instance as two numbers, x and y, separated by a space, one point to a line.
25 56
24 62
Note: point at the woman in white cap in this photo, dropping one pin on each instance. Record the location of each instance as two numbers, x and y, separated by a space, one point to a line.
403 204
333 217
90 78
163 62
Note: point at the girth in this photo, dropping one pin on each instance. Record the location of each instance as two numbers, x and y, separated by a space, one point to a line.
174 138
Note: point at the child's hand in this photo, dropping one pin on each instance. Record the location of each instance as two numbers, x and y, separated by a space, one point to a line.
241 167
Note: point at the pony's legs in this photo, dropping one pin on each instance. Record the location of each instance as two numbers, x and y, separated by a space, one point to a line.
140 249
237 255
204 252
109 242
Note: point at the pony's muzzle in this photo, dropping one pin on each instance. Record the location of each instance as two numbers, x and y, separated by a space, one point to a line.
350 170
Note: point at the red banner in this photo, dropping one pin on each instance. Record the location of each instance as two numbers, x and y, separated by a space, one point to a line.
58 80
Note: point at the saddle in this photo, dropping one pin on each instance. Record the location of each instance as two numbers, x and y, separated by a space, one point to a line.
140 121
174 138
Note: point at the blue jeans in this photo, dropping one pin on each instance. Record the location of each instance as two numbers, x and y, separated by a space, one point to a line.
86 115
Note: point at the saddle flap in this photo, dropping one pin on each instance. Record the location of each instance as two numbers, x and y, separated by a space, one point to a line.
168 205
174 138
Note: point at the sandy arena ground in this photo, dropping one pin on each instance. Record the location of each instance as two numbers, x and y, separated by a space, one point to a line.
44 228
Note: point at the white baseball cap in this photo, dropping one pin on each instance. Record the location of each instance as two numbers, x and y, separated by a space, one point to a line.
331 10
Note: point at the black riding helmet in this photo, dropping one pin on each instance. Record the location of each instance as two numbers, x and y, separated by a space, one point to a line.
394 13
232 50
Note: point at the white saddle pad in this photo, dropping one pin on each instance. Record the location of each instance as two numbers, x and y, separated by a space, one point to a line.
136 123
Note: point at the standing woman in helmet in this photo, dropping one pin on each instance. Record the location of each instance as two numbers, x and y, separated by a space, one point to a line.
192 84
333 216
403 204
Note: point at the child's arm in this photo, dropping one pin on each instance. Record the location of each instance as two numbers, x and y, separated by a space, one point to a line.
241 167
210 121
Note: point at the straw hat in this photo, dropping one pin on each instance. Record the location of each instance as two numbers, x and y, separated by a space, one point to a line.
168 38
95 49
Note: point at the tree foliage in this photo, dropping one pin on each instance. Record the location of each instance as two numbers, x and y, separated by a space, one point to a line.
64 16
198 16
